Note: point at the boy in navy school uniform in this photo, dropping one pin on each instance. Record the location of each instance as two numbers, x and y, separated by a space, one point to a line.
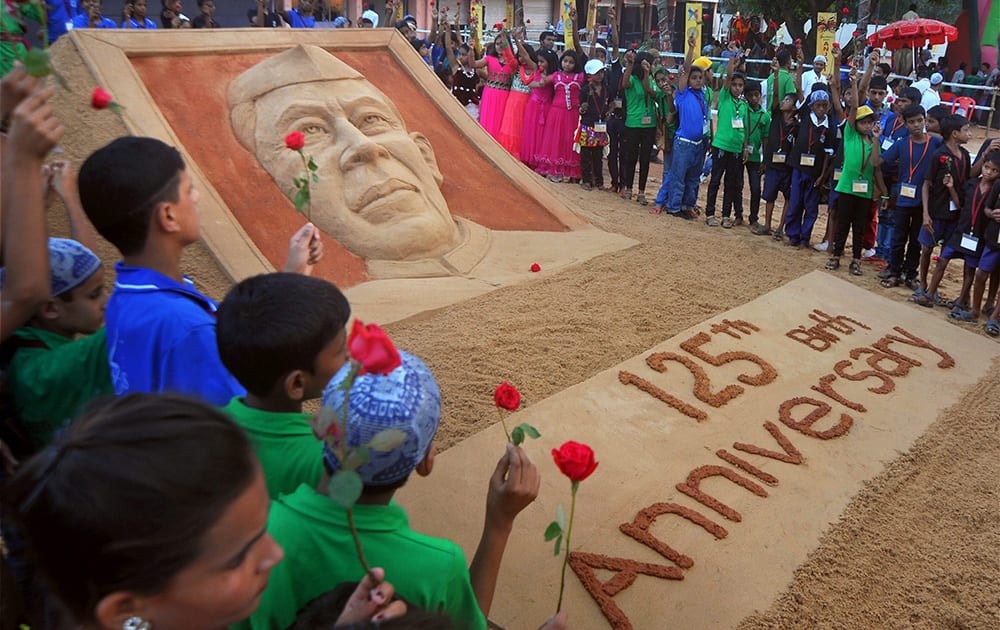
910 157
777 150
942 198
139 196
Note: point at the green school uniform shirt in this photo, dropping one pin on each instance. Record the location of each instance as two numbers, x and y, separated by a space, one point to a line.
857 163
639 104
431 573
727 137
51 377
288 451
786 84
758 126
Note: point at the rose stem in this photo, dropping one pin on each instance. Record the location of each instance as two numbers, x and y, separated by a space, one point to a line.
503 423
569 532
357 546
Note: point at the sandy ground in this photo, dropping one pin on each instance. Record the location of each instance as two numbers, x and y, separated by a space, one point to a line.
917 548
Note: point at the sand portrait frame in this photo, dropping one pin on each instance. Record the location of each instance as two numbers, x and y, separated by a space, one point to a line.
162 78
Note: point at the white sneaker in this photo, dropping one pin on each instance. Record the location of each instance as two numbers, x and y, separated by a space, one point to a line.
821 246
867 253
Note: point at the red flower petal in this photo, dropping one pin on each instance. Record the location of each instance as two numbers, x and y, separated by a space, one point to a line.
100 99
535 267
507 397
295 140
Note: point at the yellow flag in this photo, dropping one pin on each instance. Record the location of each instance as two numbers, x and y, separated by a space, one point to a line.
509 24
568 33
692 24
476 11
826 35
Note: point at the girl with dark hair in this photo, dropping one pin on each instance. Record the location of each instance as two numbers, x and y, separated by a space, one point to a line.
134 15
640 123
537 109
150 512
500 65
557 159
511 129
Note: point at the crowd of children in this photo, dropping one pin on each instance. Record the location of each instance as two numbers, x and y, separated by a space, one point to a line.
159 470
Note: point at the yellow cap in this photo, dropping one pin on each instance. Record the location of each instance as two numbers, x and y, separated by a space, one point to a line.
702 62
864 112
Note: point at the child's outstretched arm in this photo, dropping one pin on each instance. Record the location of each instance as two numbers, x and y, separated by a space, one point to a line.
305 249
612 34
852 115
682 82
513 486
63 183
773 85
34 131
449 51
799 63
835 85
873 60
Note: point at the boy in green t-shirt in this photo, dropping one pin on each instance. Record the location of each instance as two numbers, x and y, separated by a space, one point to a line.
727 149
52 375
758 127
282 335
430 573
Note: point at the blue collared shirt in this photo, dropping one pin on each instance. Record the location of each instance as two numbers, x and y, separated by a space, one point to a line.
161 338
693 113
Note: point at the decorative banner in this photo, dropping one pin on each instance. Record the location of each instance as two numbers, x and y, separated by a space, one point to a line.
476 20
826 35
591 16
398 13
510 15
568 33
692 24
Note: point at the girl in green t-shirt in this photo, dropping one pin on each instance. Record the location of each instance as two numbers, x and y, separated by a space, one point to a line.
640 123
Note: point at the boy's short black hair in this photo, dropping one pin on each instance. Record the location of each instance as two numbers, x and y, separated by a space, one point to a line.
911 94
939 112
993 157
122 183
751 87
272 324
952 123
877 83
784 57
912 111
885 68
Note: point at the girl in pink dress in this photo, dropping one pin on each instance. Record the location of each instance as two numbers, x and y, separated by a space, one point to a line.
557 159
537 109
500 67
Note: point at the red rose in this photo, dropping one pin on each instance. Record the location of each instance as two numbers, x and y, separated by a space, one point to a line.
371 347
654 33
845 10
535 267
836 45
431 3
295 141
528 21
507 397
798 43
575 460
856 33
100 99
505 20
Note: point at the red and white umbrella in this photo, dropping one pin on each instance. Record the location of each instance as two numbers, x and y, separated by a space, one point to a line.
913 34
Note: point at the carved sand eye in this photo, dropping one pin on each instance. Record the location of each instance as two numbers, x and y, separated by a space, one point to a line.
373 123
313 129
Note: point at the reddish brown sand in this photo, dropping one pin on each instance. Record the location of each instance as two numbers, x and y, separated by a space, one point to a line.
917 548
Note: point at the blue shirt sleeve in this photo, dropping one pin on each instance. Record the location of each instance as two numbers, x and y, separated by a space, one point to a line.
192 366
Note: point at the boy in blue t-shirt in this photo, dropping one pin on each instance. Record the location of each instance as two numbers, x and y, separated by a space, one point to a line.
909 157
139 196
91 16
689 145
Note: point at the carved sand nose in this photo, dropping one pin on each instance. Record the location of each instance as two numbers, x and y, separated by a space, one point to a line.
361 151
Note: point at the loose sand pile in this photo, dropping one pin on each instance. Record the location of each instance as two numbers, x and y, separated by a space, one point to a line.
916 548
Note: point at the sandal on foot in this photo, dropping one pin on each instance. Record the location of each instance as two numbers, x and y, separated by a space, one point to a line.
941 300
778 235
712 222
760 230
727 222
920 297
886 272
833 264
855 268
626 195
964 317
656 210
890 282
992 328
641 198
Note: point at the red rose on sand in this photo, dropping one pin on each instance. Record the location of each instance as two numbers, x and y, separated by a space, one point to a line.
507 396
370 346
100 99
535 267
575 460
295 141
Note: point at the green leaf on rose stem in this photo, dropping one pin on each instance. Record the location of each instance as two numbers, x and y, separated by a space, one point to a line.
529 430
327 416
315 178
356 458
561 516
517 435
312 166
36 62
552 531
386 440
345 488
555 552
301 198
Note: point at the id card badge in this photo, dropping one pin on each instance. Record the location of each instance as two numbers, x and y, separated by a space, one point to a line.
908 190
807 159
969 243
69 26
778 157
600 127
836 174
707 128
860 186
737 122
647 120
618 103
887 144
952 207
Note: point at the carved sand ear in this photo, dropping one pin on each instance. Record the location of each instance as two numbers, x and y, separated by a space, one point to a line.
244 120
428 152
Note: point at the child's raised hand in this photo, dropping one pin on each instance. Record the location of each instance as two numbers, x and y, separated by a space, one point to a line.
34 128
513 486
371 602
874 57
948 181
15 86
305 249
63 178
692 38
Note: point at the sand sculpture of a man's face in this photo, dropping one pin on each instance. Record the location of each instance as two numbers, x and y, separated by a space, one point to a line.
379 187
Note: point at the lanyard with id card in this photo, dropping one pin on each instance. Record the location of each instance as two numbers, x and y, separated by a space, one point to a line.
906 189
969 242
778 157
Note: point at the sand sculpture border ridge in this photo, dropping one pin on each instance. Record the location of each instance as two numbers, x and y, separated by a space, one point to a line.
108 56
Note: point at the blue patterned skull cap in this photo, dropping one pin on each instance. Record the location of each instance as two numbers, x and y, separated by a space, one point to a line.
70 264
407 399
